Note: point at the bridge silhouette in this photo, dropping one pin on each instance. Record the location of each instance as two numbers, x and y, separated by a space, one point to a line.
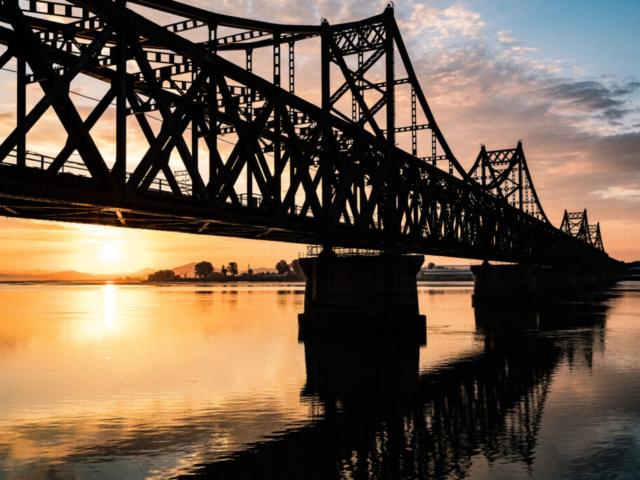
256 159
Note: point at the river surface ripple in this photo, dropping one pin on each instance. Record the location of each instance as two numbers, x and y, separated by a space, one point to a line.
133 382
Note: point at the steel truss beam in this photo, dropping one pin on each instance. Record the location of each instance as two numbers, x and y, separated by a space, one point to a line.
293 171
505 174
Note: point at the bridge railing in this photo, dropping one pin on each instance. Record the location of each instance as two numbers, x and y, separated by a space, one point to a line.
315 250
70 167
41 162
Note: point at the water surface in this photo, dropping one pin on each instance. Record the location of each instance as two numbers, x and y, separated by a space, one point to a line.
157 382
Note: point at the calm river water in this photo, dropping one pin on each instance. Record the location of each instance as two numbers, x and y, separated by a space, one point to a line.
131 382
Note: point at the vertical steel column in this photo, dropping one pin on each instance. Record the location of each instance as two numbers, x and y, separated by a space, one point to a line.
292 68
483 154
212 103
356 112
327 167
119 170
520 169
21 111
249 92
277 111
249 169
390 78
292 87
354 108
434 149
276 59
195 137
393 221
414 122
514 198
362 204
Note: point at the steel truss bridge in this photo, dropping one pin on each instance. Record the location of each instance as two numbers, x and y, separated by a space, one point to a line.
196 126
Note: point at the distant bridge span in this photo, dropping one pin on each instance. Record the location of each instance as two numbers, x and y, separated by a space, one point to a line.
255 159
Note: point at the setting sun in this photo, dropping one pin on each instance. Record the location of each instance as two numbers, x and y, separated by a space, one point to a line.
110 253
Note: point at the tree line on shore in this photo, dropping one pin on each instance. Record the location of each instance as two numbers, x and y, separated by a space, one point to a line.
206 271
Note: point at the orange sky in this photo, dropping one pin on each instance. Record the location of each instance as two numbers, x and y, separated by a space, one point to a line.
580 133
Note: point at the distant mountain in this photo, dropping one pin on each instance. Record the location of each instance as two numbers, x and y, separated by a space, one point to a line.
142 273
75 276
263 270
189 269
69 276
37 271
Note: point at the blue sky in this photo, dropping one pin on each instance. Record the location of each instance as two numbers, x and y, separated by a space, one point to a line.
602 36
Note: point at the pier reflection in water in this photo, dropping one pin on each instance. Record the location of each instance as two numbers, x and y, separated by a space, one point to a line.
379 417
214 382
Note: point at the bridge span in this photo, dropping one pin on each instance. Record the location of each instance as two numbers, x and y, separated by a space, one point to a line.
238 152
208 135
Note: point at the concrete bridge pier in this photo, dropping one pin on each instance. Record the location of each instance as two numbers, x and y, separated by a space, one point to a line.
589 279
558 281
362 294
505 284
526 284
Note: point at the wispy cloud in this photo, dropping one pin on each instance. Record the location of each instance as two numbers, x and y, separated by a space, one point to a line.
453 22
589 97
620 193
504 36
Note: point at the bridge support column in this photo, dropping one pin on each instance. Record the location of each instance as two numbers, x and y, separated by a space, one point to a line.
495 284
610 277
590 279
558 281
525 285
362 294
586 279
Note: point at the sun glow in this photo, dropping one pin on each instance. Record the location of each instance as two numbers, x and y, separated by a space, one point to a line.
110 253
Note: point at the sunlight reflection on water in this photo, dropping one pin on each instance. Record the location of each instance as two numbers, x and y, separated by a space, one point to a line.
136 381
109 304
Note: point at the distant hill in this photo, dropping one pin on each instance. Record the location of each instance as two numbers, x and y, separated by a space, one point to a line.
38 271
263 270
142 273
69 276
189 269
75 276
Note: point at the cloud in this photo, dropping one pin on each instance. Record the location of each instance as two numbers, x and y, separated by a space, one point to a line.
620 193
592 97
448 23
503 37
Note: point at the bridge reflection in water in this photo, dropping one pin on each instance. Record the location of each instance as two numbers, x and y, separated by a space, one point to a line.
379 416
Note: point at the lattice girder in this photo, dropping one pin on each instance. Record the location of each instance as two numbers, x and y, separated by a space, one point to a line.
238 154
505 174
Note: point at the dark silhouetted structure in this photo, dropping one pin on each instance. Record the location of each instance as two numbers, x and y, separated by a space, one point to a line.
257 160
295 172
